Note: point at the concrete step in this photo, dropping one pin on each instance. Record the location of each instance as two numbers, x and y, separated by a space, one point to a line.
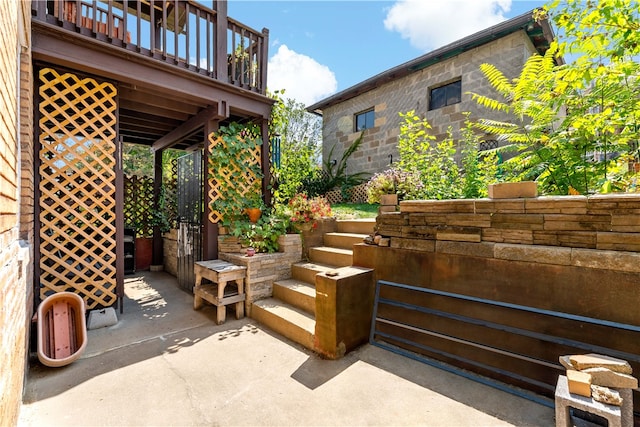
297 293
331 256
343 240
306 271
360 226
286 320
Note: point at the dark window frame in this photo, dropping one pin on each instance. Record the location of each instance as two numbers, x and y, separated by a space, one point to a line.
369 117
445 95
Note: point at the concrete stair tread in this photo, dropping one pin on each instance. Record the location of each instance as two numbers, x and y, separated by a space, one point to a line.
333 249
360 225
298 286
316 266
354 235
289 313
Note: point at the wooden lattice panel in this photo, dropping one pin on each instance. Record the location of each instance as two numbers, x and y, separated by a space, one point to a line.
138 204
251 184
170 185
77 187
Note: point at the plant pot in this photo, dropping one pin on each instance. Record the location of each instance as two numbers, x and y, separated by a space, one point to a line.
513 190
388 199
303 226
144 252
254 214
251 251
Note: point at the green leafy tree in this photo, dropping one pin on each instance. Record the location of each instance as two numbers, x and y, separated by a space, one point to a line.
574 127
300 135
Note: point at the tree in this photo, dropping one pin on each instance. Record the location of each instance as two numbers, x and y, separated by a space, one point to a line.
300 135
575 126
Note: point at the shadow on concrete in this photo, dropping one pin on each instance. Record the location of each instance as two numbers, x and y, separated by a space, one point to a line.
158 319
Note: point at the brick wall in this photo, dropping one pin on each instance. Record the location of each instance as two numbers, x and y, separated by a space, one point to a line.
411 93
15 260
600 231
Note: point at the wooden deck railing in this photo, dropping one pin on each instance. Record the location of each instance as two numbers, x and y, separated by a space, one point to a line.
179 32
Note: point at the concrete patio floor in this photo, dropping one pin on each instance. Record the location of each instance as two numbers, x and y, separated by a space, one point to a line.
165 364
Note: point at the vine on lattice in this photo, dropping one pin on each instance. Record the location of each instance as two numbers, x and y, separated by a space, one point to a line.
235 174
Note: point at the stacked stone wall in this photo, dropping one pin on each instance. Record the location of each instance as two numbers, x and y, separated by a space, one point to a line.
508 54
15 262
600 231
264 269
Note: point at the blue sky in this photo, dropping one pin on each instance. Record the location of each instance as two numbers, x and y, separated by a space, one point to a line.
318 48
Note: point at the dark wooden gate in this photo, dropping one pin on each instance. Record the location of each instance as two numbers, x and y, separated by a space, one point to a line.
190 211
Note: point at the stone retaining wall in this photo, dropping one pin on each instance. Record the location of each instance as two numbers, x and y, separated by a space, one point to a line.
600 231
264 269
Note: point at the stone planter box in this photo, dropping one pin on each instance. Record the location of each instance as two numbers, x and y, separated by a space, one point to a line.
513 190
388 200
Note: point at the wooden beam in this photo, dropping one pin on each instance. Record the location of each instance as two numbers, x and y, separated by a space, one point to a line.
217 111
153 98
150 109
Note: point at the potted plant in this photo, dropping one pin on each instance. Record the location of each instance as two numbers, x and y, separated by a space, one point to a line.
390 186
304 212
255 207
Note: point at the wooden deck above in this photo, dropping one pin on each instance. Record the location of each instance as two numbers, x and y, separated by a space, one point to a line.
184 34
192 65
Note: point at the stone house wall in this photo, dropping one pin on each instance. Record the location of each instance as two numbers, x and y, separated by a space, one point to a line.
16 202
508 54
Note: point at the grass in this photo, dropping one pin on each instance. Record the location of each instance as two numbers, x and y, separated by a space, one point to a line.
354 210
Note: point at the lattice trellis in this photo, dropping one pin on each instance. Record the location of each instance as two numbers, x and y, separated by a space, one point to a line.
251 183
138 204
77 187
170 184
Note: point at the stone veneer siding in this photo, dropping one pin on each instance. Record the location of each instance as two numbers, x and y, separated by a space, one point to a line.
16 202
264 269
170 251
600 231
508 53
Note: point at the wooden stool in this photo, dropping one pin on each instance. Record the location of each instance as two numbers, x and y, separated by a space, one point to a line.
616 416
220 273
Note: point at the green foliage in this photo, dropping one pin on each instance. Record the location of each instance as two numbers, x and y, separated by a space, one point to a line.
300 134
575 126
479 169
263 235
434 165
392 181
334 175
228 157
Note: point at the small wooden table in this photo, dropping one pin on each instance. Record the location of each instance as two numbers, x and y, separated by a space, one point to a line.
220 273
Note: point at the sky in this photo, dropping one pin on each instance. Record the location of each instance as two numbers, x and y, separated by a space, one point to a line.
320 47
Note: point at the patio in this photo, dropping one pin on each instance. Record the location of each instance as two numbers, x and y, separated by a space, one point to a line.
166 364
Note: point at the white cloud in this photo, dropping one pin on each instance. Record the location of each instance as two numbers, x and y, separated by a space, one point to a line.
302 77
432 24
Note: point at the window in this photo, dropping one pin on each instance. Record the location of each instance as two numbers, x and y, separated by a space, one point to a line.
445 95
364 120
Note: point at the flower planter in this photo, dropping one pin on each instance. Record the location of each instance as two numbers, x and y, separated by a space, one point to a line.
388 200
254 214
513 190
